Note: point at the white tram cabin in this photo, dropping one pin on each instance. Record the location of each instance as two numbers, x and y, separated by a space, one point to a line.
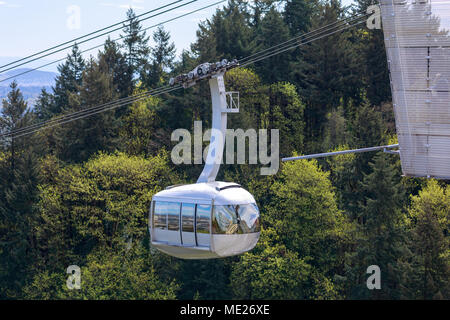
204 220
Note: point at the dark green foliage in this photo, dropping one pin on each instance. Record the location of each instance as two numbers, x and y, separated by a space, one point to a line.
18 181
381 238
135 44
77 141
14 116
206 280
117 67
328 71
45 106
68 80
226 35
297 15
162 56
272 31
428 270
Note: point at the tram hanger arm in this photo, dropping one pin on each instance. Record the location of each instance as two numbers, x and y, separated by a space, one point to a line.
386 149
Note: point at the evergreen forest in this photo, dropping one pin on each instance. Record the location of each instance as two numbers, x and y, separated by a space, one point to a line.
79 193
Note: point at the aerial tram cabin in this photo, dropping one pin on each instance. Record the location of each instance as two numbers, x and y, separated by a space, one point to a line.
208 219
204 220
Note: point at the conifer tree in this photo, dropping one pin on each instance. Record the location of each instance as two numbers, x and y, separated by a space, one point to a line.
327 72
429 273
375 71
76 141
258 9
381 240
68 80
44 108
18 180
135 44
227 35
272 31
162 58
117 66
14 115
297 15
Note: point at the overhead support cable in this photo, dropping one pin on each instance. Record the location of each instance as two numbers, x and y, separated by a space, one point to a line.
166 89
86 110
386 149
111 106
86 35
114 40
321 29
303 40
92 38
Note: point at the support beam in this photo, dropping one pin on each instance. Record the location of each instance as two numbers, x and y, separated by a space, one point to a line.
219 128
331 154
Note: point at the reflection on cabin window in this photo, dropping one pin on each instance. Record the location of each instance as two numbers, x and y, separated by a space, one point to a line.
203 218
173 216
167 215
160 215
236 219
187 217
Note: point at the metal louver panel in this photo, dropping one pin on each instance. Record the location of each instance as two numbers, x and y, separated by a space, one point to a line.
417 39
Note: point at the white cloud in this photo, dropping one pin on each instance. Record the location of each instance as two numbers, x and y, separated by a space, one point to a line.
127 6
180 12
10 5
121 6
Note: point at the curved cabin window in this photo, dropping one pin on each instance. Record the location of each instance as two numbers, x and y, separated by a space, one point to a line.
187 217
167 215
236 219
173 216
203 218
160 215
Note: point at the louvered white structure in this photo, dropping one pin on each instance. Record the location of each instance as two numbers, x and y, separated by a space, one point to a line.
418 50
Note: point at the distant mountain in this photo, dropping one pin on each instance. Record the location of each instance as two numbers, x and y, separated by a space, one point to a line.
30 83
52 67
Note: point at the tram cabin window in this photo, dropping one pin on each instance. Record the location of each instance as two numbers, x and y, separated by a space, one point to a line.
167 215
160 215
187 217
203 218
173 216
236 219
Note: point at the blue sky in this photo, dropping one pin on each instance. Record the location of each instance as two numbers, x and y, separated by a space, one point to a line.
28 26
